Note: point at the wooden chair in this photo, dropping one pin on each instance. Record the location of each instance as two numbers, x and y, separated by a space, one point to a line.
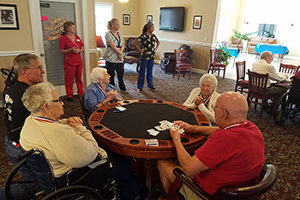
257 90
252 191
180 63
288 69
241 83
215 62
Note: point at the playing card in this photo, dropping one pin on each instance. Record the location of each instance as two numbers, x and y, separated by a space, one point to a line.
160 128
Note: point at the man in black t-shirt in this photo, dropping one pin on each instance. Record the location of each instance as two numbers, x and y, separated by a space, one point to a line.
29 71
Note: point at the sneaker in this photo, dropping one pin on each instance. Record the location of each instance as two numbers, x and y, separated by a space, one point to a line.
152 88
70 99
141 90
124 91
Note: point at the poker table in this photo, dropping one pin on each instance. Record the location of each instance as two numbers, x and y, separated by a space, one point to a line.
125 132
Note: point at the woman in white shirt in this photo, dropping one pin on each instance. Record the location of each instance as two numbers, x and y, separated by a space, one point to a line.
204 97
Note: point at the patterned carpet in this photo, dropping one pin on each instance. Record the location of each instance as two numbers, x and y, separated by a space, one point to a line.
282 143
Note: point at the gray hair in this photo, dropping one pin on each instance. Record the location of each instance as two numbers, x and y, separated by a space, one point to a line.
37 95
210 78
266 54
97 73
23 61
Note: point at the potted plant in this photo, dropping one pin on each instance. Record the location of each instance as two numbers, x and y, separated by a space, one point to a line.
225 54
241 36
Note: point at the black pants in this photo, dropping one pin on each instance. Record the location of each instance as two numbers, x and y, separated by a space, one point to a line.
118 67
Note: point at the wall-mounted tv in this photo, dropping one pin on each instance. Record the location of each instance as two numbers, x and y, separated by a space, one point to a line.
171 18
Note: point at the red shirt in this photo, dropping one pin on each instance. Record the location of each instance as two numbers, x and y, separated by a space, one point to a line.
234 156
71 58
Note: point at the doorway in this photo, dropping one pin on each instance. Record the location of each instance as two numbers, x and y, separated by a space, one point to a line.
47 23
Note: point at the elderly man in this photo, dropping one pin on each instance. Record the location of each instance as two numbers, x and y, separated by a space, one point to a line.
232 155
263 66
29 71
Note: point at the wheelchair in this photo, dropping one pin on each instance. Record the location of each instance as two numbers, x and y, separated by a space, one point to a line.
288 105
10 77
82 183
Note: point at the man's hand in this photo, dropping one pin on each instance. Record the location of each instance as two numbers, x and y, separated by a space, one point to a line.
187 127
175 134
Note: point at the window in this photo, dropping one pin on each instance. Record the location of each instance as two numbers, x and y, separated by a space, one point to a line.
103 13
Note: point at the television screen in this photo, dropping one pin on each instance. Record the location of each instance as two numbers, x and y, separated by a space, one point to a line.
171 18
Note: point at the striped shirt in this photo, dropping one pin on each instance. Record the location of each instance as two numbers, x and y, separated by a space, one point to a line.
110 54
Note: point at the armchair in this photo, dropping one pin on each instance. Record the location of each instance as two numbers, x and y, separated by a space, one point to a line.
130 50
252 191
167 63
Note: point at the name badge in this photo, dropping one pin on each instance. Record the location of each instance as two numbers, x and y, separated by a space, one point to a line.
78 40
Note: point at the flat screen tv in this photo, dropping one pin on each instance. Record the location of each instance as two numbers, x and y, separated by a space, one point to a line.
171 18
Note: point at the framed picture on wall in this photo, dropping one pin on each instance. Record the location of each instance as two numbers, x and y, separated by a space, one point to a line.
126 19
9 17
149 18
197 22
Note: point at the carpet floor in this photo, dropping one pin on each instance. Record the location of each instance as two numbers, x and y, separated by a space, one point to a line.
282 144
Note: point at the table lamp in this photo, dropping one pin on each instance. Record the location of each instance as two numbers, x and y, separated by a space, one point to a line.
100 45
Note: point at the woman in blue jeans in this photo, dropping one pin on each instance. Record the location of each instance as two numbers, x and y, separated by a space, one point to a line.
149 45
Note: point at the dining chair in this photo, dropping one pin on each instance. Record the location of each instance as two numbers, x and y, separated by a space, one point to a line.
257 90
180 63
241 83
288 69
253 191
216 62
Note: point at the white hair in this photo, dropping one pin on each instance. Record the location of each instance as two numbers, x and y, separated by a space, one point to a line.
210 78
97 73
37 95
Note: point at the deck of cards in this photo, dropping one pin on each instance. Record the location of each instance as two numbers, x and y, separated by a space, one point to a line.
151 142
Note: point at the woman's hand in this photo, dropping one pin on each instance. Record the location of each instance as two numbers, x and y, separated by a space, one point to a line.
76 50
74 121
120 56
112 94
198 101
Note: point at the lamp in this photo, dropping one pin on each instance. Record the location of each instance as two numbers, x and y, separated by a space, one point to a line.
100 45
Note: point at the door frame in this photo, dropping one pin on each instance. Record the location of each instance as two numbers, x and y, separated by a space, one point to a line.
82 31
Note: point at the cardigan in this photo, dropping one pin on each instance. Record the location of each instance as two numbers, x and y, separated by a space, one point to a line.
207 111
64 146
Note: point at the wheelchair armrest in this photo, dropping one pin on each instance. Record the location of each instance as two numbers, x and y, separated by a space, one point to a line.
170 55
180 175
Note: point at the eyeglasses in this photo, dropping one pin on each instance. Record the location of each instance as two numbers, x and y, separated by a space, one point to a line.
58 100
223 108
39 68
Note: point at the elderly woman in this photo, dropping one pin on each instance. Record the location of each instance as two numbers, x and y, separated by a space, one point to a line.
204 97
100 92
66 143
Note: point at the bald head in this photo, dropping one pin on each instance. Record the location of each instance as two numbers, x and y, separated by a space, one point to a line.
236 108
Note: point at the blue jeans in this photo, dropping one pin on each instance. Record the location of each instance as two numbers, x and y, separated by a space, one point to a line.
27 175
145 64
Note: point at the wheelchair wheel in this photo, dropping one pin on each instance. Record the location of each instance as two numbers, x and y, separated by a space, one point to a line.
77 192
281 109
14 178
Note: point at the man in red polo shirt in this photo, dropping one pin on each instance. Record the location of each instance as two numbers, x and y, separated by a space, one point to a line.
232 155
